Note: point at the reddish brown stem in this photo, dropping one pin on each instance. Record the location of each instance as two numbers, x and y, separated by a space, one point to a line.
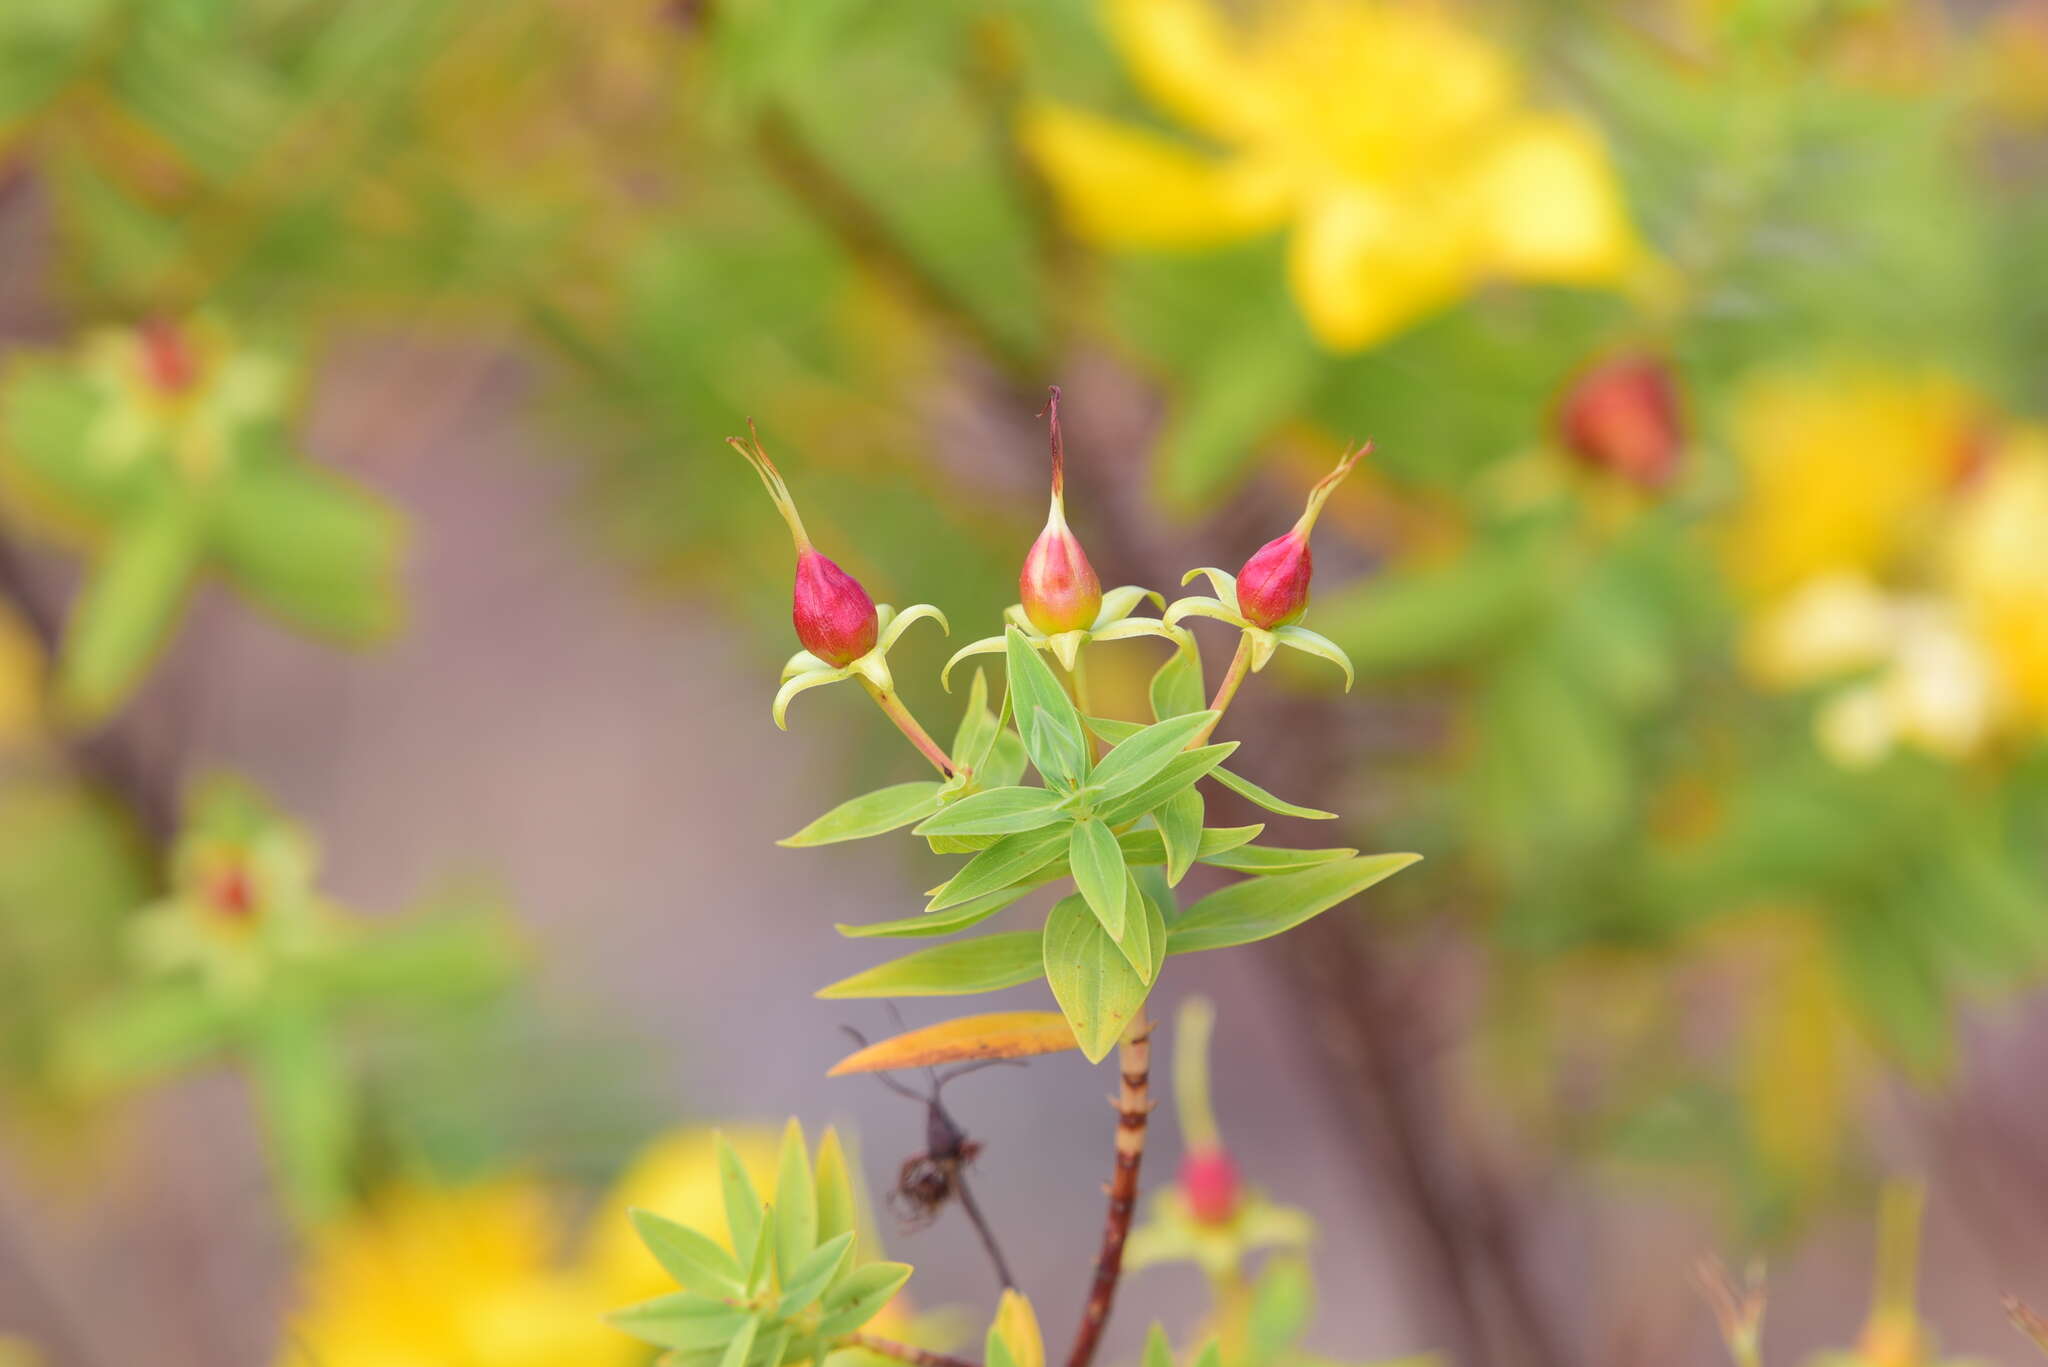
902 1352
1133 1109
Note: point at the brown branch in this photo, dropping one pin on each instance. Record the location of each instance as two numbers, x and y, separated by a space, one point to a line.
1133 1110
981 1227
903 1352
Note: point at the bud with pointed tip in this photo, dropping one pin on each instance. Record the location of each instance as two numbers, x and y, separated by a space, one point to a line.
1058 587
169 361
1622 416
834 617
1272 588
1209 1184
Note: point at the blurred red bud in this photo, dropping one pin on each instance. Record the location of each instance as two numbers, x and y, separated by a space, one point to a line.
168 361
1209 1183
229 893
1272 588
835 618
1058 587
1622 416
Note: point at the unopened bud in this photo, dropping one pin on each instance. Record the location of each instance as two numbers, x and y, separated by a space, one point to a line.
168 360
1209 1183
228 891
1622 416
1272 588
834 617
1058 587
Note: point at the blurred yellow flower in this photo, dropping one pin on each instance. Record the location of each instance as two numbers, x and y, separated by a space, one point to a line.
487 1276
1843 468
1390 140
1996 566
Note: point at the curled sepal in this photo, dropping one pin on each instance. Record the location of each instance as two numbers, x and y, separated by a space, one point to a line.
987 645
799 683
1322 647
1199 605
803 662
1133 627
894 625
1122 601
1066 646
1264 643
1221 581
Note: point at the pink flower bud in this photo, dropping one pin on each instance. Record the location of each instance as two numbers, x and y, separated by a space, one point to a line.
168 360
1209 1184
1622 416
1058 587
835 619
1272 588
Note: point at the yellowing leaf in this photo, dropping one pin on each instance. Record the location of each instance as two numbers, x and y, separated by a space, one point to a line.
1013 1338
997 1034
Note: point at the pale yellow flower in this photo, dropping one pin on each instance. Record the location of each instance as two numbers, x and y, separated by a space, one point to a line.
1996 565
1391 141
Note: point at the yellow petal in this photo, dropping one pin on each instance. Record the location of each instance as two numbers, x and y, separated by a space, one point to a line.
1547 206
1184 56
1363 265
1125 187
999 1034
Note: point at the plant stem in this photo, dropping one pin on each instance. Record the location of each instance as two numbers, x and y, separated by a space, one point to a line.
893 708
902 1352
1240 665
1077 687
1133 1109
981 1227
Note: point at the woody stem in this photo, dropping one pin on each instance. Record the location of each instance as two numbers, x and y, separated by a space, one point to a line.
1133 1108
1240 665
902 1352
893 708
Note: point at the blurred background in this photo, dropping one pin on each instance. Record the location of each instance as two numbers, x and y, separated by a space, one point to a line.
377 597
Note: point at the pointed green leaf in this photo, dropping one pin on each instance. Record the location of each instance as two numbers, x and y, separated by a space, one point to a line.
1148 844
1112 729
1177 687
1059 755
742 1202
969 913
964 966
1209 1355
1158 1352
1270 859
860 1295
1139 759
1095 986
742 1344
1259 908
128 609
1097 862
310 546
683 1321
796 1203
1010 860
762 1263
1180 831
1033 690
1183 770
1322 647
870 814
803 1284
1282 1304
838 1211
977 724
999 811
1137 945
1252 792
694 1260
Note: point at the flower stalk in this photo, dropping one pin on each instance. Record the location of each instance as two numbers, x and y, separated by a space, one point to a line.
1133 1111
893 708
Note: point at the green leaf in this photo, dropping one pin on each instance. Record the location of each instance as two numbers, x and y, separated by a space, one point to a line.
999 811
143 1033
1180 831
1010 859
1322 647
128 609
1158 1352
977 729
310 546
742 1344
951 970
1177 687
1113 730
1259 908
1097 862
1209 1355
1270 859
1252 792
759 1266
742 1202
1139 759
696 1262
1033 690
1095 986
838 1212
870 814
682 1320
796 1203
1057 754
860 1296
1142 950
1148 845
1180 772
1282 1304
807 1281
971 912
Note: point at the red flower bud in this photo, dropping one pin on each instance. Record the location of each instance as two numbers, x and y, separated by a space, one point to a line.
227 891
1272 588
1622 416
834 617
1209 1184
1058 586
168 361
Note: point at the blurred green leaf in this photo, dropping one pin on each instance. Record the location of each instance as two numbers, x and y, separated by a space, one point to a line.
129 608
965 966
696 1262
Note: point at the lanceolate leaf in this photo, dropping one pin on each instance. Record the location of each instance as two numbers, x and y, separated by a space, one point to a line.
1058 753
1096 987
860 1295
695 1261
1141 756
742 1344
682 1321
874 813
965 966
1177 687
998 1034
1259 908
1010 860
1136 942
1148 846
838 1212
1097 862
1252 792
796 1204
1180 831
1269 859
742 1202
1033 689
1180 772
803 1284
999 811
968 913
